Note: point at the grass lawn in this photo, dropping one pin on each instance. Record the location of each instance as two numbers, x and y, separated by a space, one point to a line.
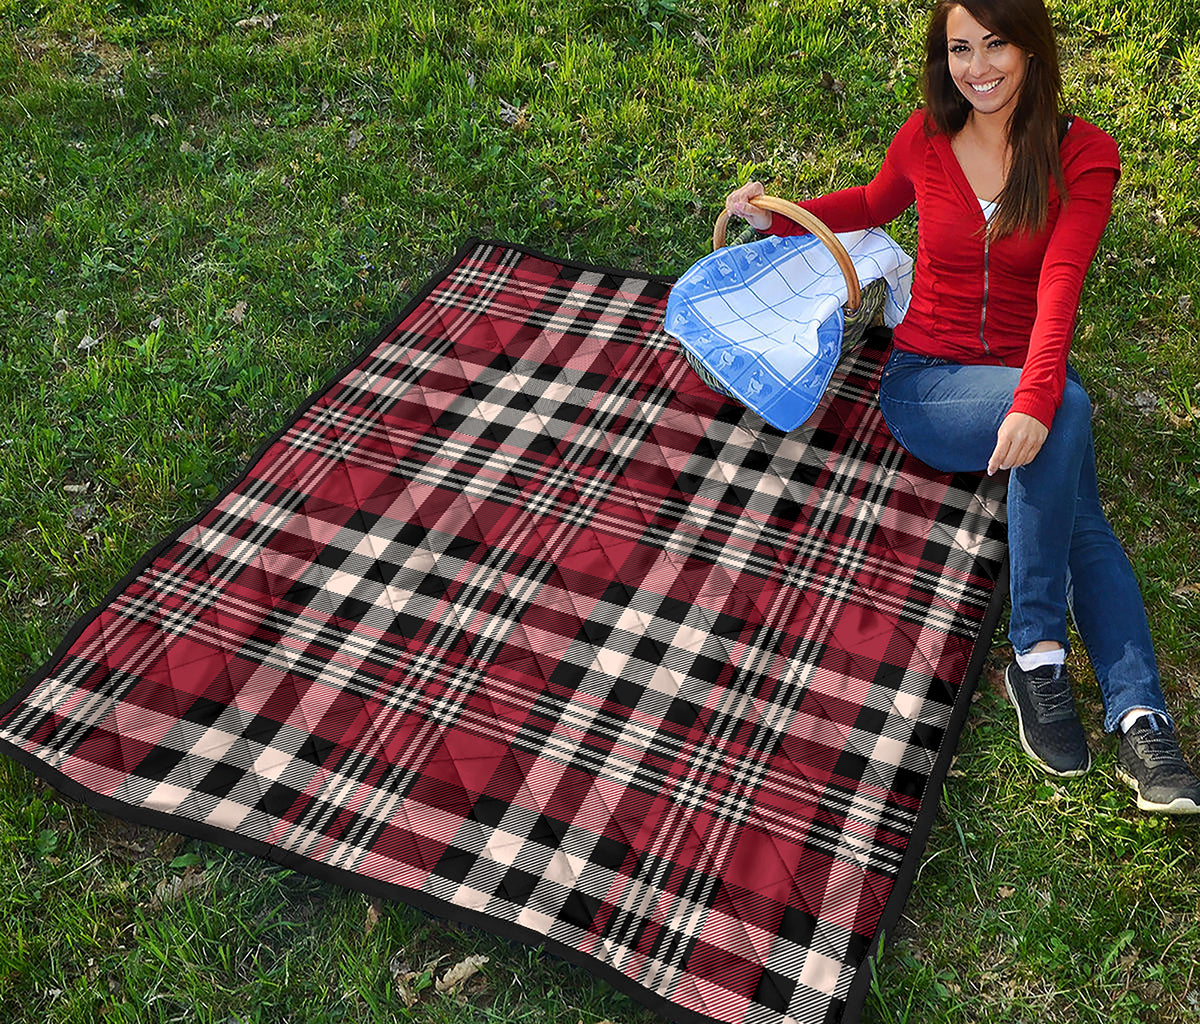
206 206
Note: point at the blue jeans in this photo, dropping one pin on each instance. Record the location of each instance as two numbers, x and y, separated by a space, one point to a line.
1062 551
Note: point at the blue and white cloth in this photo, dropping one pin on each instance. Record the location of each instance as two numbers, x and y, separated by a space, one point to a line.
766 320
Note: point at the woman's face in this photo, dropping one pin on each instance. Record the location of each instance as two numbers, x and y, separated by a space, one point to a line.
987 69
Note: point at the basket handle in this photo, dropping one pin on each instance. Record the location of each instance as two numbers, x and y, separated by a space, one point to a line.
807 220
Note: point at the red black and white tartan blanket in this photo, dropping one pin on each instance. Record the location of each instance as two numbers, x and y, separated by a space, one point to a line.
520 623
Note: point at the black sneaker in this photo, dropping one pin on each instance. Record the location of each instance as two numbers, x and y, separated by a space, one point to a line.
1051 732
1149 760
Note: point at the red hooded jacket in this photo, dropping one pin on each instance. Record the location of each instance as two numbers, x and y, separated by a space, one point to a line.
1010 301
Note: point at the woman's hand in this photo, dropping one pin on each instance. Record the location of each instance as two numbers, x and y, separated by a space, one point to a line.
1018 440
737 204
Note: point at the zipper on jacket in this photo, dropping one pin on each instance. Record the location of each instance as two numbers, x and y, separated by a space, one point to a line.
983 308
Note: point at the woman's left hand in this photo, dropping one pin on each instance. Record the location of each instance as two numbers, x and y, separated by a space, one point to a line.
1018 441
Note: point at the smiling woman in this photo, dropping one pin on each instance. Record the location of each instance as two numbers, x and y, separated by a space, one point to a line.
987 69
997 90
1012 198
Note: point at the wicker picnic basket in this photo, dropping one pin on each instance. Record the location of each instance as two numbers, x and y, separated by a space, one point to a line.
861 310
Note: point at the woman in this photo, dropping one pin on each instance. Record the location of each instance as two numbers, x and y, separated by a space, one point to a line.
1012 198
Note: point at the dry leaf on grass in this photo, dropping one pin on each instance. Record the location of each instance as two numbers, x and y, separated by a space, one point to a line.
403 975
1145 401
238 313
407 993
374 913
460 972
1181 418
257 21
171 889
513 115
409 983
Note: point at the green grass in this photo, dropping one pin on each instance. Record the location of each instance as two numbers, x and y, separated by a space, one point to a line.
199 223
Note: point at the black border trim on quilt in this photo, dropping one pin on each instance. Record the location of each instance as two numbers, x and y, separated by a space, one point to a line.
861 985
864 976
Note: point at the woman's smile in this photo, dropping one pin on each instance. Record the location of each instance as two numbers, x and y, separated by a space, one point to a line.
987 69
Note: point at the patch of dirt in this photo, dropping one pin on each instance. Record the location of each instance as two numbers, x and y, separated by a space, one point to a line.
123 840
85 55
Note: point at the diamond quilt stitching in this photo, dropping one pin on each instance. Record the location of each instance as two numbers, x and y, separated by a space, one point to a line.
519 619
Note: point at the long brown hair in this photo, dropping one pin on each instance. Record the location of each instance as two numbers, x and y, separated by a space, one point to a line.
1036 123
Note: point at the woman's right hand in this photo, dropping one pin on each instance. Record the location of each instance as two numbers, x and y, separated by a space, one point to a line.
737 204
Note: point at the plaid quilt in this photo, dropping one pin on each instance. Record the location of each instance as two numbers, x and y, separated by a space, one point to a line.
519 622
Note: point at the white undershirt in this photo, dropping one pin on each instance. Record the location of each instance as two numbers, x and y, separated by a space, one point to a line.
988 206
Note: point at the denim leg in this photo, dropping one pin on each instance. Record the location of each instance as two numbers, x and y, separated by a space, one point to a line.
1108 609
1042 496
947 415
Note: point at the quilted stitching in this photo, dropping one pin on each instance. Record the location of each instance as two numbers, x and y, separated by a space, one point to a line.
520 617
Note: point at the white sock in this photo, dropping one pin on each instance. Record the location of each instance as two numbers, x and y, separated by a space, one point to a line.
1130 717
1036 659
